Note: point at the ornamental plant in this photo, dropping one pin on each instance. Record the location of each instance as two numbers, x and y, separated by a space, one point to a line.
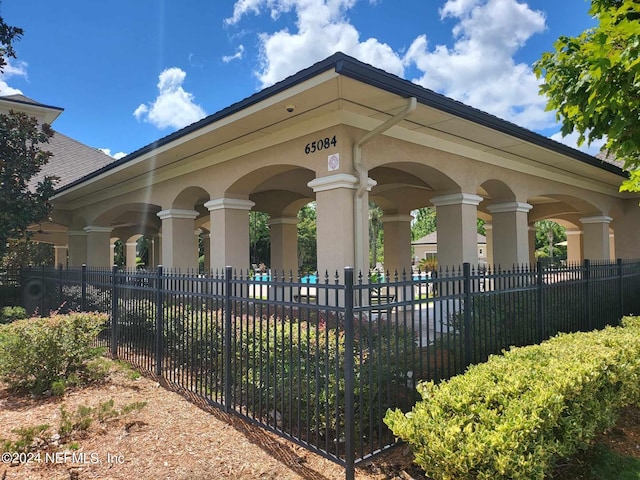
37 353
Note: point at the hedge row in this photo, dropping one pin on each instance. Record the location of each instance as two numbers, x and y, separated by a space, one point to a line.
516 415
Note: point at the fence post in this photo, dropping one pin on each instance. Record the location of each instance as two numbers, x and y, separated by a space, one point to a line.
539 303
83 288
621 287
227 337
468 333
159 321
59 286
43 297
587 298
114 311
349 373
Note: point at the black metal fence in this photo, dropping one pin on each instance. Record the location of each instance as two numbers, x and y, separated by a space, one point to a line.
320 363
10 292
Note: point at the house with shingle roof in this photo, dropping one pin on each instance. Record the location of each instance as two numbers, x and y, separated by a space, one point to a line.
427 246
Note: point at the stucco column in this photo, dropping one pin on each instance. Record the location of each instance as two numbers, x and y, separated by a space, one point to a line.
596 237
397 243
574 246
98 250
510 233
627 231
177 238
131 251
283 233
488 230
457 216
335 207
60 255
77 241
229 232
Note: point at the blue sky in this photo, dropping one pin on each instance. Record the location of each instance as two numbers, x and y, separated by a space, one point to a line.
130 72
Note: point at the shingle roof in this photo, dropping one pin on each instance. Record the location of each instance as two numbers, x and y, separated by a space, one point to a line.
605 157
71 160
17 98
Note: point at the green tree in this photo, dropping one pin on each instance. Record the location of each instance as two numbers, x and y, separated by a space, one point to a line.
548 234
376 235
259 238
21 158
424 223
24 252
593 82
307 228
144 246
8 35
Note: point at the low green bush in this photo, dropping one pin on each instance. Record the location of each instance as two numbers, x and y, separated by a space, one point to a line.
516 415
11 314
37 353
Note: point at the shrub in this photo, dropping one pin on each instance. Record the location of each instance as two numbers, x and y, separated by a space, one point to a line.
289 373
516 415
11 314
193 338
292 374
96 299
35 353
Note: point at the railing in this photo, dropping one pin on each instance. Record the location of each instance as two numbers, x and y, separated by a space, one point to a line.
320 363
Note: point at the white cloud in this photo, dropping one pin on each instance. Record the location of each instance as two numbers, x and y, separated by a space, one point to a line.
479 69
322 29
236 56
12 69
117 156
572 141
174 107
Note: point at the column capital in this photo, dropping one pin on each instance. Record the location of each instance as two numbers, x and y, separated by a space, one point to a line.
596 219
229 203
283 221
520 207
573 232
97 229
177 213
456 199
131 244
397 218
339 180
